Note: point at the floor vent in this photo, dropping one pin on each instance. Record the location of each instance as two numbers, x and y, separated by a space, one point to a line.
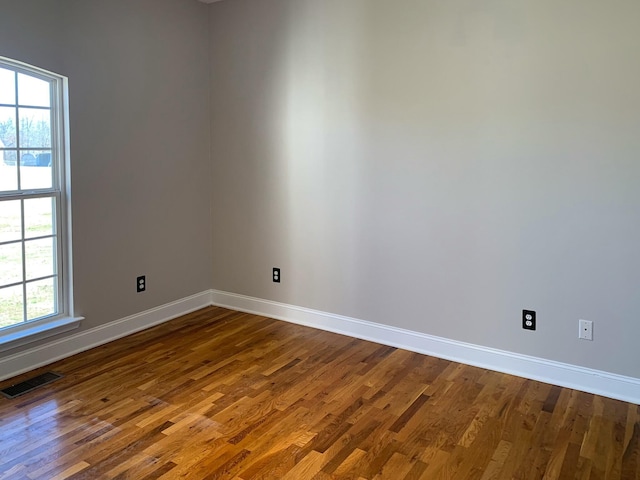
23 387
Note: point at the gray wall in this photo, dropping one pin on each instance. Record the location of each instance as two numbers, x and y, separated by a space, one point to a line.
431 165
139 83
435 165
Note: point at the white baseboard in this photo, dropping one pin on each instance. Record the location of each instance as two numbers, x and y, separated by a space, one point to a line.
579 378
556 373
65 347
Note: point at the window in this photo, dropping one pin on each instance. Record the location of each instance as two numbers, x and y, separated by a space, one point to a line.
34 237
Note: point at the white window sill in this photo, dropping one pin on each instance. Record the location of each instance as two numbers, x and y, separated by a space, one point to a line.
32 332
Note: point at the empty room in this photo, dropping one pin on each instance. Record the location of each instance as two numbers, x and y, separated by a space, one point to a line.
319 239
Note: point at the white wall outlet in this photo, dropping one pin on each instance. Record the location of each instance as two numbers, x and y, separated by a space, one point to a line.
586 329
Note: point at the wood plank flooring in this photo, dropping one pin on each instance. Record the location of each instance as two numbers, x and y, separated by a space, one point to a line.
219 394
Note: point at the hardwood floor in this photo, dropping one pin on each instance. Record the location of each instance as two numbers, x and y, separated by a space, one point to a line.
220 394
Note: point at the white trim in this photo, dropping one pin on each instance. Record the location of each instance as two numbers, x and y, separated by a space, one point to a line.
571 376
51 352
59 193
33 331
556 373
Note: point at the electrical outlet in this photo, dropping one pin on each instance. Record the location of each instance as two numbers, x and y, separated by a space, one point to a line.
276 275
141 283
585 329
528 319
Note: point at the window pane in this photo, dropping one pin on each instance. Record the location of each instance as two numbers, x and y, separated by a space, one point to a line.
8 170
11 261
7 86
9 157
41 300
38 217
39 257
29 234
35 172
35 128
33 91
11 306
7 127
10 221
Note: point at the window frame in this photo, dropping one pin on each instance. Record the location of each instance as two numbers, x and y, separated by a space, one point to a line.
64 320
